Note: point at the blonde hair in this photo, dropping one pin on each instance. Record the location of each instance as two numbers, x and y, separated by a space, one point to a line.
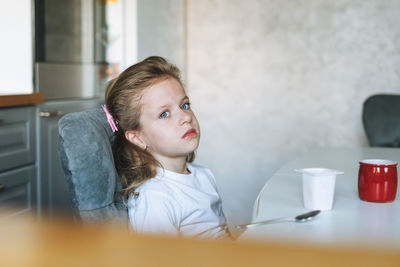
123 94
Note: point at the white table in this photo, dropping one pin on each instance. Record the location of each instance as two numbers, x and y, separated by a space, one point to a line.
351 221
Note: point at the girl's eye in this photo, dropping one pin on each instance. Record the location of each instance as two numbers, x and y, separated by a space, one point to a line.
164 115
185 106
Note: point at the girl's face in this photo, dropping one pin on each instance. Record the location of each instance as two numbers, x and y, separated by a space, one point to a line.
169 128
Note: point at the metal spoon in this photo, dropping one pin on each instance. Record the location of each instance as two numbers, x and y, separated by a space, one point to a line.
299 218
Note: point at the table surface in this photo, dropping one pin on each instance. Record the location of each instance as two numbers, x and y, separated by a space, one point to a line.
351 220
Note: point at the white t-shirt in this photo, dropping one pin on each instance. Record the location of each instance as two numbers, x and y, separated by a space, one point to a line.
178 204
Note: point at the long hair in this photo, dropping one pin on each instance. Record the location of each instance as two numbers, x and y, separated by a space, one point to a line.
123 100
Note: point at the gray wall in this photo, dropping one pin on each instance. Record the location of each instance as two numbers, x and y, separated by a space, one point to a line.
161 30
270 79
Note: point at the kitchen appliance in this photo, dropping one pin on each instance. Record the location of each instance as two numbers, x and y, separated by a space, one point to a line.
79 46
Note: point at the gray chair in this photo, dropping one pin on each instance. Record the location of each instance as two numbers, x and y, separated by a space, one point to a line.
381 120
85 149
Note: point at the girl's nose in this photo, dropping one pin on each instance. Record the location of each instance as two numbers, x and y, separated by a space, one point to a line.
185 117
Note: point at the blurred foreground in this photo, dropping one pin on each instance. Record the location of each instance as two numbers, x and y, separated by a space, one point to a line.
26 242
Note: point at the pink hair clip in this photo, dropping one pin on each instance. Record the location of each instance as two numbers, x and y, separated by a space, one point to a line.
110 119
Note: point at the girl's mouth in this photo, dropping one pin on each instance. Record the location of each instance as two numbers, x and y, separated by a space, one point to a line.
190 133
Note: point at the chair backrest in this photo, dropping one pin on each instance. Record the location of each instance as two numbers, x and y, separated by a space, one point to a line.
381 120
85 149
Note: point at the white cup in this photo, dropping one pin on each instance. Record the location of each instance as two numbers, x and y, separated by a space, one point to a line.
318 187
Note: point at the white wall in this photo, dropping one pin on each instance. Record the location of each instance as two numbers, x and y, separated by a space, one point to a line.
270 79
16 47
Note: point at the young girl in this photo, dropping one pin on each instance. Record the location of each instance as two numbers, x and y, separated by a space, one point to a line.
156 136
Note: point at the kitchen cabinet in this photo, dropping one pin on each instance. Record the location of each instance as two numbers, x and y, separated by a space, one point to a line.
55 200
18 179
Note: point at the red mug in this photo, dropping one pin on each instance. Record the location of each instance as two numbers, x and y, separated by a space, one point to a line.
377 180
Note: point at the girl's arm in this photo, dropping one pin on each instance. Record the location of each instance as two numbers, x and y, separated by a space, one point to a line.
153 212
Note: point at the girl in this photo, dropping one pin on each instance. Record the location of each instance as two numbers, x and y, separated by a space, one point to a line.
157 134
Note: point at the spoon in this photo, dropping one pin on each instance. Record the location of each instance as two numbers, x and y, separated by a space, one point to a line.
299 218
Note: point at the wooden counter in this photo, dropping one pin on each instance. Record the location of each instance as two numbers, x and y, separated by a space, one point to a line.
20 100
26 243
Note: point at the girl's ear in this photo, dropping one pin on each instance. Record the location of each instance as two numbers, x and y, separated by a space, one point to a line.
133 137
